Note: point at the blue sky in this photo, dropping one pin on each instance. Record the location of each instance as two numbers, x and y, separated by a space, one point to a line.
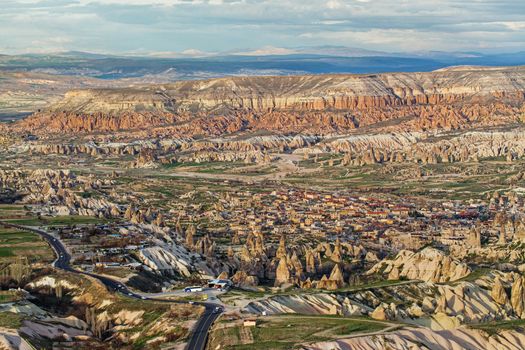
198 27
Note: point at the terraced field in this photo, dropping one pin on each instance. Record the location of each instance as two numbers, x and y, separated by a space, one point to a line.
20 244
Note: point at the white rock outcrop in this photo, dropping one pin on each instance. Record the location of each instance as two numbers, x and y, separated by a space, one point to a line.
422 338
429 265
162 260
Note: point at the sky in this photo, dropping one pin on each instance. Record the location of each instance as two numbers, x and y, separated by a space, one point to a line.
201 27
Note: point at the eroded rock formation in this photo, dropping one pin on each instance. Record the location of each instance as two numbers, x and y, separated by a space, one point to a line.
429 265
445 99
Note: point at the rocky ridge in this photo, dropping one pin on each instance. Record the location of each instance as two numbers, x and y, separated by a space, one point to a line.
420 338
100 316
426 148
301 92
59 191
494 297
429 265
449 99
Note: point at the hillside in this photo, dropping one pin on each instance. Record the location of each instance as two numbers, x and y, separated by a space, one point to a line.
450 98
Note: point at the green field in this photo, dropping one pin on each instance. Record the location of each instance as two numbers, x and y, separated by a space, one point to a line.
443 180
11 210
11 236
15 243
376 284
493 328
7 296
56 220
474 275
288 331
10 320
9 207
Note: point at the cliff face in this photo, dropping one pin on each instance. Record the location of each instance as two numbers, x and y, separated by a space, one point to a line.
302 92
446 99
79 122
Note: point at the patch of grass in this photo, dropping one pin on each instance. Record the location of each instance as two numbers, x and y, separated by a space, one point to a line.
358 327
377 284
9 296
118 272
10 320
248 293
25 221
193 297
188 164
493 328
268 345
23 244
57 220
12 211
474 275
17 237
141 342
6 252
11 207
288 331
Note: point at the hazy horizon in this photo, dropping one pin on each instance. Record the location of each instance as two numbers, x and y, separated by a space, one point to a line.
333 50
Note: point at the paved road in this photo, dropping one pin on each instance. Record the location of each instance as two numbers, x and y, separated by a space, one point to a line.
201 331
200 334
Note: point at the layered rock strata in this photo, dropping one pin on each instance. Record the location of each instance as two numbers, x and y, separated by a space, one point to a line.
445 99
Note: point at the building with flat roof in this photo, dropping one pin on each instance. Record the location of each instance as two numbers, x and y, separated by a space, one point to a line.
219 284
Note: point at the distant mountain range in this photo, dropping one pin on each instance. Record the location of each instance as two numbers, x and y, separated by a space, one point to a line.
312 60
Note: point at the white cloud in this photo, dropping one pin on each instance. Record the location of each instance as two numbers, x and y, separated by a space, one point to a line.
412 40
230 25
331 22
516 26
334 4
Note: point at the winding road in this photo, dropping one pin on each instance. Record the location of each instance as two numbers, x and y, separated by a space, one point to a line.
200 333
